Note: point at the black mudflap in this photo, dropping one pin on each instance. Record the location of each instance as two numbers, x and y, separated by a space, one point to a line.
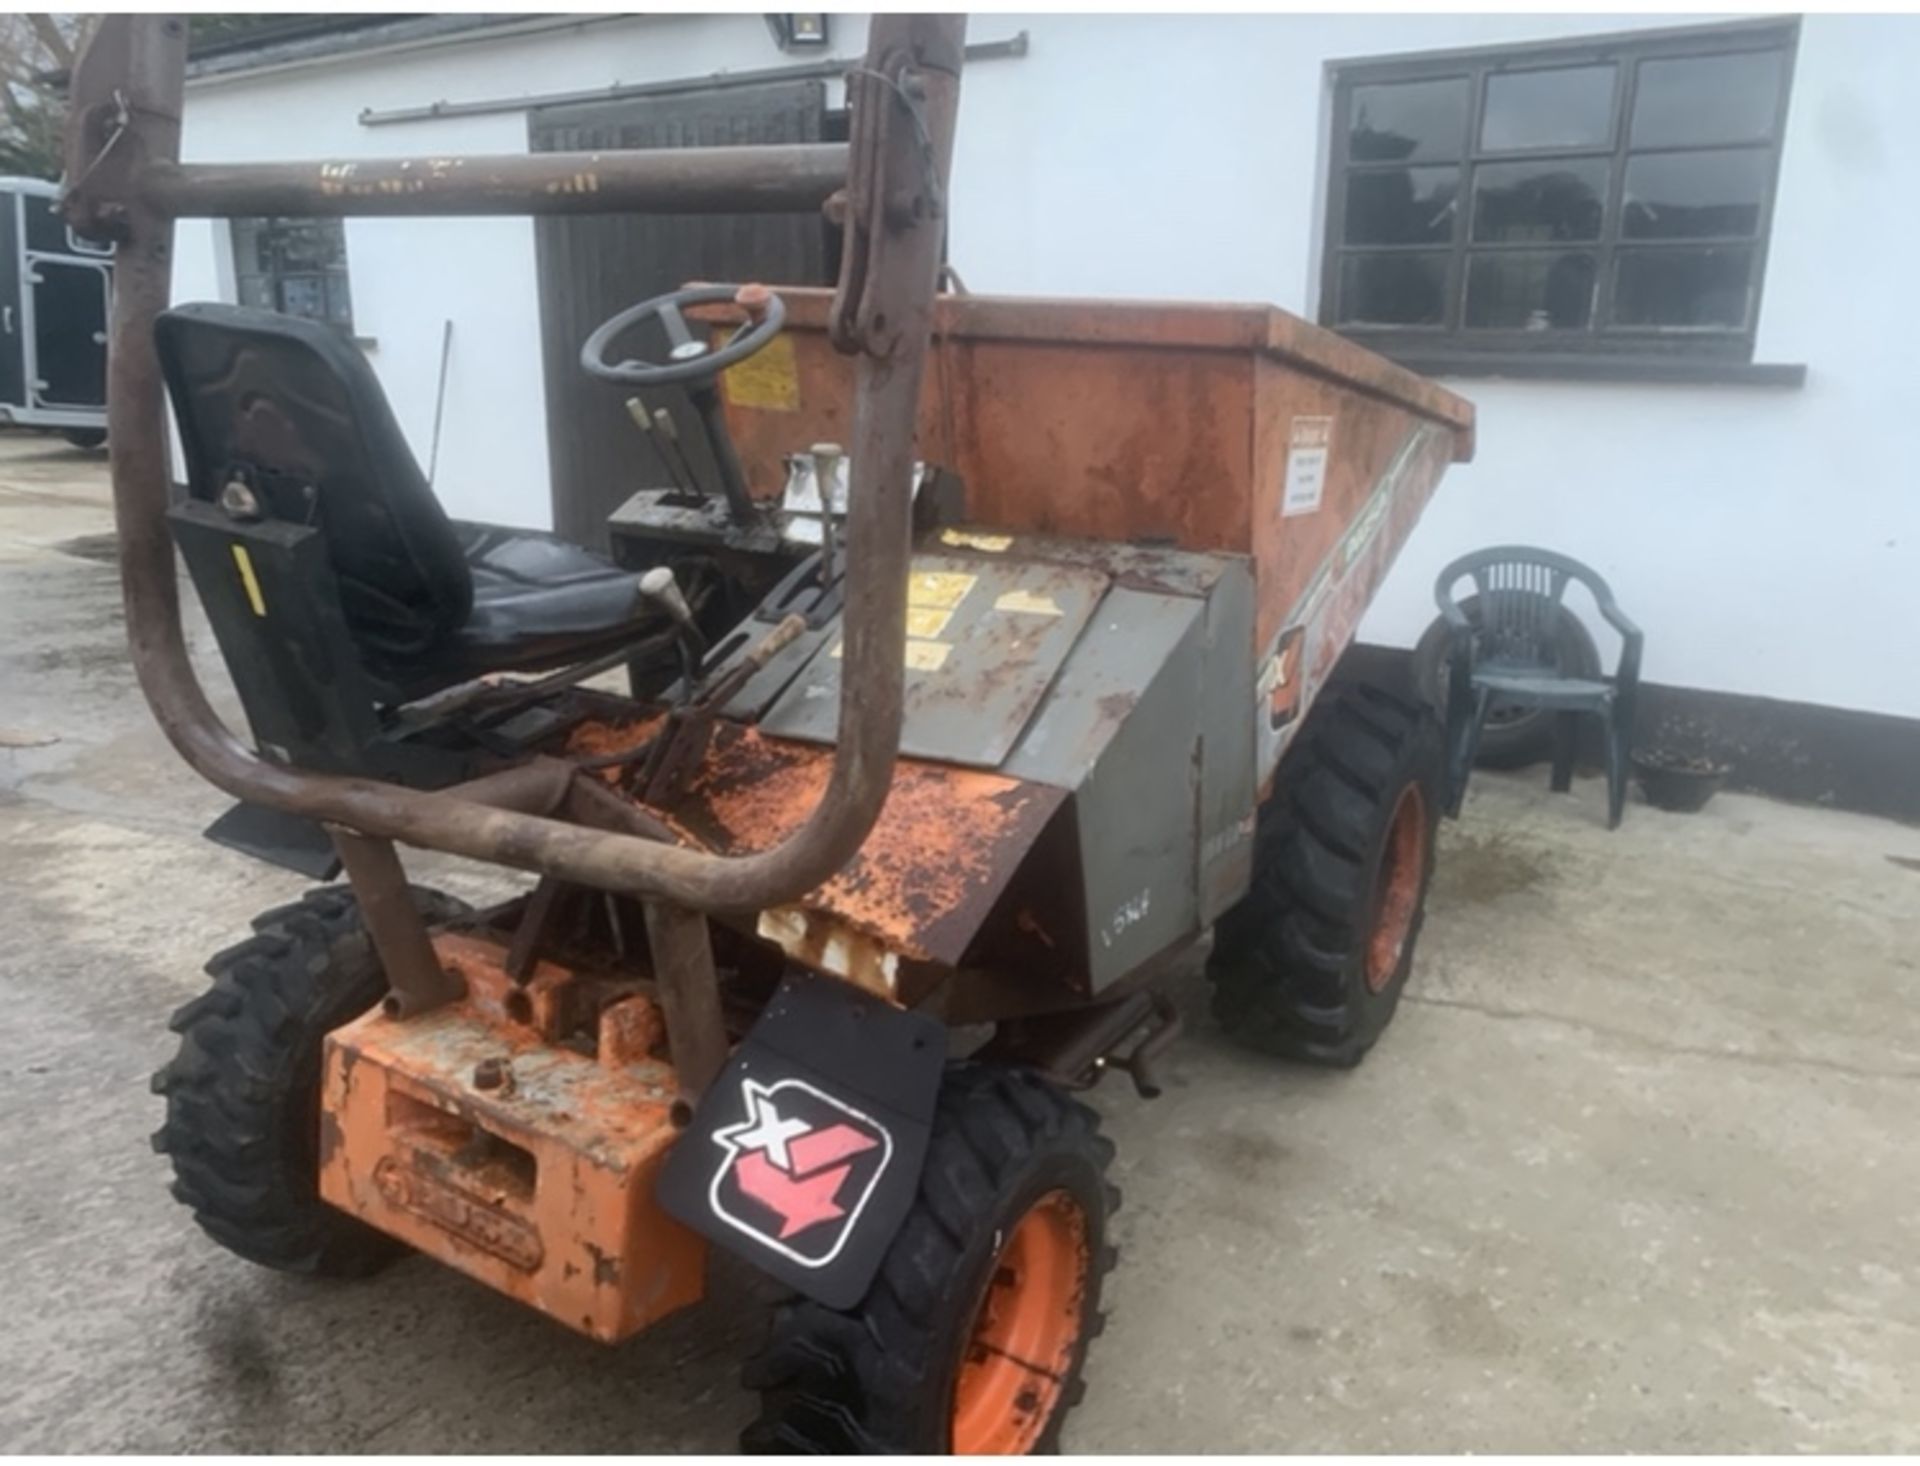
805 1154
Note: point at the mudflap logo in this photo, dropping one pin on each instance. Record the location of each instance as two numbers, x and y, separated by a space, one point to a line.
798 1170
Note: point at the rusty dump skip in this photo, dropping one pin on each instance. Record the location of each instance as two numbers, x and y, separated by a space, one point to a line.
1128 421
476 1136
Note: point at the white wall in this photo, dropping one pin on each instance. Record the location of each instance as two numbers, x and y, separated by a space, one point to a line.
1768 540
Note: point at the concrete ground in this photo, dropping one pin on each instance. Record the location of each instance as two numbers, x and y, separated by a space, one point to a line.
1636 1169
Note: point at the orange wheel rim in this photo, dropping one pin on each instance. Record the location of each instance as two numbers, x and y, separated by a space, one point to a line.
1026 1327
1403 869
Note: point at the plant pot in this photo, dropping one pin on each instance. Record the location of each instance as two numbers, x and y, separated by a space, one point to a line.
1682 783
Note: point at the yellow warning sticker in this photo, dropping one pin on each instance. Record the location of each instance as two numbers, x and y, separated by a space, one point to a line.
927 620
922 656
1027 603
939 590
249 581
927 656
993 544
768 379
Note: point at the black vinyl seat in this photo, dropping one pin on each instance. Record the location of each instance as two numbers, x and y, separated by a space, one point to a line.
537 599
291 409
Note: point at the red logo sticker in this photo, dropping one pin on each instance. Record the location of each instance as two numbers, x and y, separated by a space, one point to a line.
798 1169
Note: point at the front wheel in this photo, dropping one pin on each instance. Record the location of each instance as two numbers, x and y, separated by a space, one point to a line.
1311 963
972 1337
243 1091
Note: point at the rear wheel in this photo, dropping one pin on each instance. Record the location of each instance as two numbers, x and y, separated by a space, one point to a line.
243 1090
85 437
972 1337
1312 962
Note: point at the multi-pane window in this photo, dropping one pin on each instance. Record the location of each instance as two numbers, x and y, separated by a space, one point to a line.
295 266
1595 197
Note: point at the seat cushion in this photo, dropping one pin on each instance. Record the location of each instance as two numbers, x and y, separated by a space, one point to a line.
539 601
1544 690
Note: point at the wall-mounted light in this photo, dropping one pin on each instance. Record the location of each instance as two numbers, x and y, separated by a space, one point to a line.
799 32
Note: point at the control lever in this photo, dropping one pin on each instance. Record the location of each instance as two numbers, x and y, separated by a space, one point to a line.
677 749
659 586
826 462
668 437
643 420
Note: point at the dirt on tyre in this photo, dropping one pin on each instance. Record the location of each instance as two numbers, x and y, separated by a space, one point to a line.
1311 964
972 1338
242 1092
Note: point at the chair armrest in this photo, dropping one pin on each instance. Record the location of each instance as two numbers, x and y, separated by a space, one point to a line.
1632 639
1617 618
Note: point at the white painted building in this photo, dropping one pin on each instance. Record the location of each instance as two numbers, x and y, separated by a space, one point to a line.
1766 536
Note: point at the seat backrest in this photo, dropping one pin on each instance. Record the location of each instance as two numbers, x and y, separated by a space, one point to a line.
291 408
1519 589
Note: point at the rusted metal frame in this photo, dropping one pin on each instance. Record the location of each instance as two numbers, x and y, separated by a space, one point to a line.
395 926
1141 1062
688 990
531 929
786 178
127 102
1077 1047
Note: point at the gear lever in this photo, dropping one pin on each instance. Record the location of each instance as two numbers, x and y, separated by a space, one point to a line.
826 463
659 586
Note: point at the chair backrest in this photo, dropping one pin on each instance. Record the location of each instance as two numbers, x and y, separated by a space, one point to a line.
1519 589
292 409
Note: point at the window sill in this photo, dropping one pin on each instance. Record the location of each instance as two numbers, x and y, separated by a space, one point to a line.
1529 367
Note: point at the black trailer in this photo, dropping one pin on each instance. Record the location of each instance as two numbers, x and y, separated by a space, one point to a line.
54 294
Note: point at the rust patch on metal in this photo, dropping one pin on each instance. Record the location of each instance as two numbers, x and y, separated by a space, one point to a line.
943 849
816 940
614 736
542 1188
632 1031
471 1216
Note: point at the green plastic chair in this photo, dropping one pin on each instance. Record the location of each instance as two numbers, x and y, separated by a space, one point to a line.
1508 650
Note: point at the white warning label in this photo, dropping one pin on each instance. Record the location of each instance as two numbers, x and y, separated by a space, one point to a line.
1307 448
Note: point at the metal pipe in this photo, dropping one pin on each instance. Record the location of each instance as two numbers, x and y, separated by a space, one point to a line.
780 179
399 933
1012 47
688 988
126 119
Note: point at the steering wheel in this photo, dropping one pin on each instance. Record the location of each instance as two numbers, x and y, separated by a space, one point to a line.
691 359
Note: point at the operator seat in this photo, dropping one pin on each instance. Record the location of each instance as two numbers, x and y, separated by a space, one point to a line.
291 409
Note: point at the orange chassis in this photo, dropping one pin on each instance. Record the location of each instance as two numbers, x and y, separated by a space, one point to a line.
476 1135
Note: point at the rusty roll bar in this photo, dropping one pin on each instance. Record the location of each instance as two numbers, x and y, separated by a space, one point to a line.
123 151
681 180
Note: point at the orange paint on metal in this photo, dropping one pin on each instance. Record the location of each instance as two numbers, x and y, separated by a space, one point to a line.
1026 1327
548 1005
481 1141
1403 874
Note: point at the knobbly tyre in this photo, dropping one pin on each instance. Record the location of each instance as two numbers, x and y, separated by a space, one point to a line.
986 663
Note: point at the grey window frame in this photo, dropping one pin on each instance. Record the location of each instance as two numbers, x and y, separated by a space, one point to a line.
1602 349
